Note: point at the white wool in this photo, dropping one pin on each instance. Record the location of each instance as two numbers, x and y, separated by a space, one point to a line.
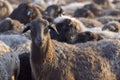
108 34
96 29
75 5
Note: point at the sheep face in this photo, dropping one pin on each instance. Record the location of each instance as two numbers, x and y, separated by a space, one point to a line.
24 13
21 13
67 31
113 26
53 11
39 31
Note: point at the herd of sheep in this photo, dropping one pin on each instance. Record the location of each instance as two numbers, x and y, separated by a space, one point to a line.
59 40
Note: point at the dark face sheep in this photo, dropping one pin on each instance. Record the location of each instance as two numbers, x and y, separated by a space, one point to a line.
10 24
39 33
113 26
83 12
40 47
52 12
67 28
26 12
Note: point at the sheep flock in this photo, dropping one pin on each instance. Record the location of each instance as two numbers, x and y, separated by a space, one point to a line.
59 39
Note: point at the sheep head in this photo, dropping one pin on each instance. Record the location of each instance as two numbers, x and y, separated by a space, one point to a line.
39 31
53 11
112 26
25 13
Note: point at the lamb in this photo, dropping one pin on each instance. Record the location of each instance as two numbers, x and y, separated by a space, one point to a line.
113 26
52 60
26 12
10 24
5 9
83 12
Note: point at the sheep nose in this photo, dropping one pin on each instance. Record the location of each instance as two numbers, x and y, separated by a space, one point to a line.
38 41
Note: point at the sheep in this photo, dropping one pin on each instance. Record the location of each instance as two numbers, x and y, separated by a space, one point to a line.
10 24
5 9
105 4
109 49
52 60
52 12
106 19
113 26
13 40
70 8
111 12
83 12
66 25
90 23
9 66
94 8
26 12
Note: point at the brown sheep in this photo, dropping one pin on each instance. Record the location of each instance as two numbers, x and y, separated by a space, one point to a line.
53 11
83 12
10 24
113 26
26 12
5 9
58 61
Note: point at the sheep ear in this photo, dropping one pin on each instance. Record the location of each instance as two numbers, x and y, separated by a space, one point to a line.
52 27
27 27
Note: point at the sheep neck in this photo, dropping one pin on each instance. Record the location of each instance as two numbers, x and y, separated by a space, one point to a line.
43 54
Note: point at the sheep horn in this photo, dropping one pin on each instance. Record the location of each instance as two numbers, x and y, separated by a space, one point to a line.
52 27
27 27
